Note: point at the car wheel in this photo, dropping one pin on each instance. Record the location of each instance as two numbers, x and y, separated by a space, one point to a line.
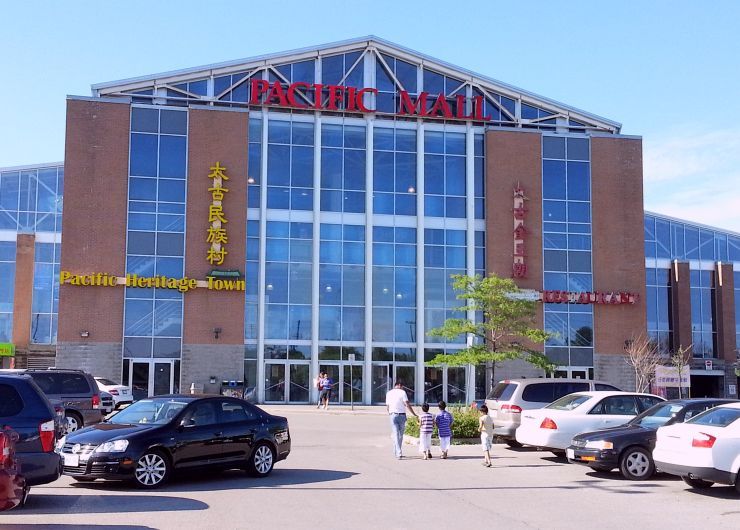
74 421
636 464
262 461
697 483
152 469
512 443
83 479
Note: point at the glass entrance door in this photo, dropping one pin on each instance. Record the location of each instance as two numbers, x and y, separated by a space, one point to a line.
299 383
384 376
275 382
150 377
346 379
287 382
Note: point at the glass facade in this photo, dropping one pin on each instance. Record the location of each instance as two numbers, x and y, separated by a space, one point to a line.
45 304
658 307
566 221
7 288
703 317
156 231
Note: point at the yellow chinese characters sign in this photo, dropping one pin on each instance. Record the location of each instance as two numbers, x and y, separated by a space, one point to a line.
217 235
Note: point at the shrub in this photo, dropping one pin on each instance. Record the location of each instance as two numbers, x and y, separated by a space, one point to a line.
464 426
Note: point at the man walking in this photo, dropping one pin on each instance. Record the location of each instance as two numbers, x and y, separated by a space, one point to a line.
396 403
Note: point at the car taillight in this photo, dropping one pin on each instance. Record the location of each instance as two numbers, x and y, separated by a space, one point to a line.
96 401
46 434
514 409
113 392
703 440
547 423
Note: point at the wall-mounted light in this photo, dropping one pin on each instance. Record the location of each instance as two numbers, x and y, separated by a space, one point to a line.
84 334
412 189
269 287
212 380
216 332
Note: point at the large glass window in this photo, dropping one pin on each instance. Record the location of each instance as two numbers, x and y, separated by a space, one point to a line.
343 168
342 283
288 272
703 318
45 305
7 288
290 165
658 307
394 284
254 170
444 255
156 231
31 199
566 212
394 171
444 174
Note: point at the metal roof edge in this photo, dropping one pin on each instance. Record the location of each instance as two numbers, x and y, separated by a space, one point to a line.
369 39
32 166
693 223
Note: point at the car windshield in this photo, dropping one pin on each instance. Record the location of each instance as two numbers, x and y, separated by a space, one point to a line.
569 402
717 417
154 411
106 382
657 415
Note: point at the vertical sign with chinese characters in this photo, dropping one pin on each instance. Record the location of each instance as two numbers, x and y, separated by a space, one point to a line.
519 267
217 236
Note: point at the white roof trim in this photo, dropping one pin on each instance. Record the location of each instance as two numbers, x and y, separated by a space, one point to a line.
370 41
32 166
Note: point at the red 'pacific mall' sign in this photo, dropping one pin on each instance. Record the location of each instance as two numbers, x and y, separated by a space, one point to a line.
317 96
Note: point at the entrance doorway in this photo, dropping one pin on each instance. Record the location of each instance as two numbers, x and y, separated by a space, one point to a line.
287 382
347 387
445 384
706 385
151 377
386 374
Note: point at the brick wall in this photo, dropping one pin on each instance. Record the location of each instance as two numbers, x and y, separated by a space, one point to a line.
23 295
200 362
102 359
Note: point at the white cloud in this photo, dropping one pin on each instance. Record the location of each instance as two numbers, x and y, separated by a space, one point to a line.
695 176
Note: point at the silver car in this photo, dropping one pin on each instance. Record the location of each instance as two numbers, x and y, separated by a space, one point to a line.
510 397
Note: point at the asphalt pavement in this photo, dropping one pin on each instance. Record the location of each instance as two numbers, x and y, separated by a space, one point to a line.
342 474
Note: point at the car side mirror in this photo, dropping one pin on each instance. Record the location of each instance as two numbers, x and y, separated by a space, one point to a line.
188 422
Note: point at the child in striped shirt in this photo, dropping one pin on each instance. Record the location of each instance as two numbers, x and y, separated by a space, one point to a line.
426 427
444 428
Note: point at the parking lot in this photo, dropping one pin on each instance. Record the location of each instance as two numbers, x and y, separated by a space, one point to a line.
341 473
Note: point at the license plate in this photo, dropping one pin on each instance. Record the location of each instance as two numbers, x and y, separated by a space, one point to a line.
71 460
570 453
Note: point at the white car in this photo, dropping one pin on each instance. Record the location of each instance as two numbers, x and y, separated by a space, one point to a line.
121 394
703 450
555 426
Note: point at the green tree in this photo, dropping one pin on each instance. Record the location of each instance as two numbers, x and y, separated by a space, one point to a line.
507 326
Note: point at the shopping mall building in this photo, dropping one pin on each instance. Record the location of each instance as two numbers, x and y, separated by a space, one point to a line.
262 219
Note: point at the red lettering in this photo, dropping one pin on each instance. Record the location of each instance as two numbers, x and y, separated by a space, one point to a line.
277 92
624 298
460 104
478 109
317 96
360 96
291 94
351 95
336 95
259 87
408 106
519 212
442 106
583 298
519 248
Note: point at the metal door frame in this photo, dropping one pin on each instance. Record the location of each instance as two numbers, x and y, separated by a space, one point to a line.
152 365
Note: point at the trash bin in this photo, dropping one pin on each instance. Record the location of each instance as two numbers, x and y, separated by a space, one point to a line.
232 388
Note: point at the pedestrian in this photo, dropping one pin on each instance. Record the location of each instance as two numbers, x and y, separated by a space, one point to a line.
317 386
396 403
485 428
426 428
444 421
326 385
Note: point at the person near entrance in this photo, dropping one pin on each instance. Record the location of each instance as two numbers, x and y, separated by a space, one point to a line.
396 403
317 385
326 384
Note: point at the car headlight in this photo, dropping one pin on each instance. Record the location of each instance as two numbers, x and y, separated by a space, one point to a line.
116 446
599 444
60 444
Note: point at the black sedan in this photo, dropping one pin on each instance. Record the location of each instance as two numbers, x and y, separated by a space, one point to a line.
629 447
154 437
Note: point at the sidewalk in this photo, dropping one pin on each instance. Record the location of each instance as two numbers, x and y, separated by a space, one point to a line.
333 409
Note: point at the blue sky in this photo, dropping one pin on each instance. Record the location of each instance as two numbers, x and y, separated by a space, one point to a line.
667 70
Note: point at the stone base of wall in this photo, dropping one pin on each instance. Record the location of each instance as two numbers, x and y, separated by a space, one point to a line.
613 369
102 359
201 362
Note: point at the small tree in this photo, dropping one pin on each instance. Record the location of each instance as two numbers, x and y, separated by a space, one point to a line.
643 355
680 360
507 323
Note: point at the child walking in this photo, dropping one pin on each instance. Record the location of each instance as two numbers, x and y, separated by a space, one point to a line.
485 428
426 427
444 420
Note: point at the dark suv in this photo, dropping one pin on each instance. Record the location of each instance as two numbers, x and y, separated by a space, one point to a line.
25 409
76 390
